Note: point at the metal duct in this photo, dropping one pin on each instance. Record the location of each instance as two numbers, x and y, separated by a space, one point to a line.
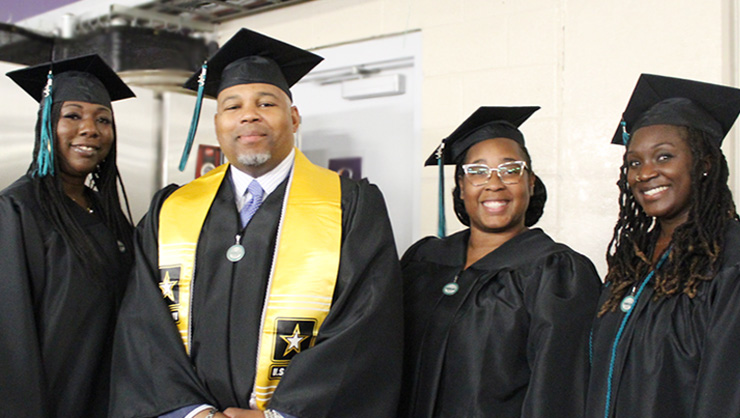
22 46
134 48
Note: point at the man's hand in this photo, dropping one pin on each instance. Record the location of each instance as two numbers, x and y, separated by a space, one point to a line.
203 414
243 413
234 413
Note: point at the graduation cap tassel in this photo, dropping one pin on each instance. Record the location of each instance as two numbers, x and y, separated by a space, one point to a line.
196 116
625 135
441 209
45 158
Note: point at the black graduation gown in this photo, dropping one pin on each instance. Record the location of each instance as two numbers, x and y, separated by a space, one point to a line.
354 369
56 326
677 357
512 342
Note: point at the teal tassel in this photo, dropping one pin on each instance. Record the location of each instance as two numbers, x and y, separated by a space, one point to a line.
625 135
196 116
441 209
45 158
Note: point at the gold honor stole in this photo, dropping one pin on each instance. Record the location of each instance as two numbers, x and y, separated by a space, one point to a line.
303 273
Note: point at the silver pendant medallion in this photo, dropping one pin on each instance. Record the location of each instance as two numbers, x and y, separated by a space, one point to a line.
627 303
235 253
450 289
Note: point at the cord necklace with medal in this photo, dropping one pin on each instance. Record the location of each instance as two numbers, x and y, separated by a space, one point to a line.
471 258
628 301
628 304
452 287
88 207
236 252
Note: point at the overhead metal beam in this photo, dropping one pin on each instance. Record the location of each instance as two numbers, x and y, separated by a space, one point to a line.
179 21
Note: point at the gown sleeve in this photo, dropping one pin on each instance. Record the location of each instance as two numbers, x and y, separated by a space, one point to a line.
717 385
354 370
147 339
21 258
562 307
410 254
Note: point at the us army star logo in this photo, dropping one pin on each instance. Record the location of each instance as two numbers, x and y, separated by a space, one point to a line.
294 341
167 286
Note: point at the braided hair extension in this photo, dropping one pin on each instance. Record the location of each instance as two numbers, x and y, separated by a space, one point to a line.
51 197
536 202
696 245
106 179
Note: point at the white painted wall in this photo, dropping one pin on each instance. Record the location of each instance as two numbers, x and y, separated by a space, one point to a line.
578 59
383 131
17 122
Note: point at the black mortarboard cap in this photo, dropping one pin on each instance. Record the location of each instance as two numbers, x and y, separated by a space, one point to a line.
250 57
87 79
485 123
659 100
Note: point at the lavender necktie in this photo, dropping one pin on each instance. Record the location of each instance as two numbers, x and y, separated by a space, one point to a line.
248 210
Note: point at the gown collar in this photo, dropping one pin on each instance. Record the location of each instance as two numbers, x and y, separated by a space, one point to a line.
526 246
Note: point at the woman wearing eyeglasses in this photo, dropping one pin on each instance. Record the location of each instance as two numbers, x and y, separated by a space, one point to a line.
497 315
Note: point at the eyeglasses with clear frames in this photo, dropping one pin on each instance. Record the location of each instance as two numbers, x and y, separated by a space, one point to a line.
508 173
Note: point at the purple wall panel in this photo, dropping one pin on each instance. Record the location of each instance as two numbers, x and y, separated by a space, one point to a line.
13 11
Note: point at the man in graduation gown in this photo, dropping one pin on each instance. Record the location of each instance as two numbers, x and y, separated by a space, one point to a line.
280 298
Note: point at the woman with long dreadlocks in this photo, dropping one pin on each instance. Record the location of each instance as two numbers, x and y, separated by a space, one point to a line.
666 338
65 255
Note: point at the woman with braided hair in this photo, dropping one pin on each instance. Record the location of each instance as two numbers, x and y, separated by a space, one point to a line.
496 316
666 337
66 256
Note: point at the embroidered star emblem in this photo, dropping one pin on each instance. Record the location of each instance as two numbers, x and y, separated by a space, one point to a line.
167 286
294 341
